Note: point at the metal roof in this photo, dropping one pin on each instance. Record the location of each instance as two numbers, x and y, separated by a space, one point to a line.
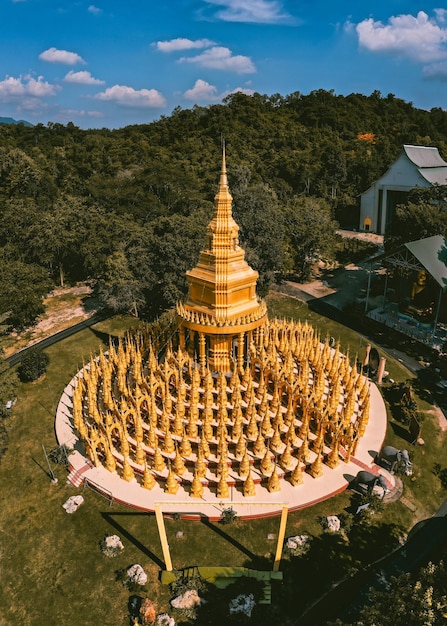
424 156
434 175
432 254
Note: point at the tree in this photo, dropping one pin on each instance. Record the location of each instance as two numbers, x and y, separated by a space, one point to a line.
33 365
118 288
410 600
423 216
175 245
22 287
310 232
260 218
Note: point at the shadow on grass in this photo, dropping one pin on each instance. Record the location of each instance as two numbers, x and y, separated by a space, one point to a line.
110 519
44 470
218 530
401 432
105 338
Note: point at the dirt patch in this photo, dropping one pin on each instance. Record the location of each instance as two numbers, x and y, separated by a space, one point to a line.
63 308
438 413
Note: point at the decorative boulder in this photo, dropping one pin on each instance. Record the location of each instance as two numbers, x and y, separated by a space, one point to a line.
136 575
298 545
187 600
148 612
73 503
242 604
333 524
163 619
112 545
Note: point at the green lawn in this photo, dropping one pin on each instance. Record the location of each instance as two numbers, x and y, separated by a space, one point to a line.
51 566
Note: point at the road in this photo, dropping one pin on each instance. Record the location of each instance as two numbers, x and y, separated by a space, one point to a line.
15 358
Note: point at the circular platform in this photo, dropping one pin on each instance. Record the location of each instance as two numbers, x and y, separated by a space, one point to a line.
262 504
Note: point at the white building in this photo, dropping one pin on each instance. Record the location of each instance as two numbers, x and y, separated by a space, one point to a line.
417 166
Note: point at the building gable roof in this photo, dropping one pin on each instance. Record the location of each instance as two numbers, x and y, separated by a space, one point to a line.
423 156
428 162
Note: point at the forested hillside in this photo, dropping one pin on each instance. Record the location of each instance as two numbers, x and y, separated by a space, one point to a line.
128 208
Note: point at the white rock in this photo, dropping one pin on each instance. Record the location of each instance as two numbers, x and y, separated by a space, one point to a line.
333 523
187 600
163 619
73 503
136 574
242 604
113 541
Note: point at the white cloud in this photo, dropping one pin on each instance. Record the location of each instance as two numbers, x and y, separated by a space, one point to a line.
204 91
181 43
257 11
94 10
53 55
201 91
244 90
418 38
441 15
26 93
436 71
70 113
25 86
130 97
220 58
82 78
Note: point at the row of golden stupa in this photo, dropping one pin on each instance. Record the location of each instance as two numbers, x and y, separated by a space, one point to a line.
232 399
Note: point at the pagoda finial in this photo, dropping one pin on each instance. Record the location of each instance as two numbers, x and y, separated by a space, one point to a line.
223 173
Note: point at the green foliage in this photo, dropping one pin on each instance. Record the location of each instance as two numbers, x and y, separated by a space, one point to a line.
129 207
8 388
423 216
310 230
33 365
228 516
22 287
441 473
410 600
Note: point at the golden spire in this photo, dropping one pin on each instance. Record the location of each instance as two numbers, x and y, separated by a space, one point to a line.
222 302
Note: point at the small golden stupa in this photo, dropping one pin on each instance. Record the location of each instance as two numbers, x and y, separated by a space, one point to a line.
233 399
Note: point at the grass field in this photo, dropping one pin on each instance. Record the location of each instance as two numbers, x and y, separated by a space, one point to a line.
51 566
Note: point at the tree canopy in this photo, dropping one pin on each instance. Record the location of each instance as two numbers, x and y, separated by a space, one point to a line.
127 208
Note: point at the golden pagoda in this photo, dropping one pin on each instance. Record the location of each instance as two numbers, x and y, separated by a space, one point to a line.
222 309
232 391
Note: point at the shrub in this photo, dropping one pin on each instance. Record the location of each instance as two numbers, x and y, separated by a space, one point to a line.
228 516
33 365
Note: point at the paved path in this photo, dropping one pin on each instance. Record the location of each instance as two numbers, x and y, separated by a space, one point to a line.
52 339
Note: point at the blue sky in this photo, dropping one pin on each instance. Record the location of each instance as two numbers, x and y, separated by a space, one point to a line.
113 63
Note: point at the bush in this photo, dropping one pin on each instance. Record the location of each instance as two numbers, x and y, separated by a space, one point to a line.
228 516
33 365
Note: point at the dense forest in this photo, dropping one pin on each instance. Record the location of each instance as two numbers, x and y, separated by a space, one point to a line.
128 208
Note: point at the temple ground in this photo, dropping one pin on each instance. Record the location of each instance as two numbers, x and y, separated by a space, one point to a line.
51 566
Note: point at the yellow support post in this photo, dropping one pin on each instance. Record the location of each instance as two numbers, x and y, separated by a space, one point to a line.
282 532
163 537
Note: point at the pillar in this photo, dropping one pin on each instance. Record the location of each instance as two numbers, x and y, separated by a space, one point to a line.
381 370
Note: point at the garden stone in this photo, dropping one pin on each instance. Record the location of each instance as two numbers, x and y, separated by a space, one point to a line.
187 600
73 503
333 523
137 575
